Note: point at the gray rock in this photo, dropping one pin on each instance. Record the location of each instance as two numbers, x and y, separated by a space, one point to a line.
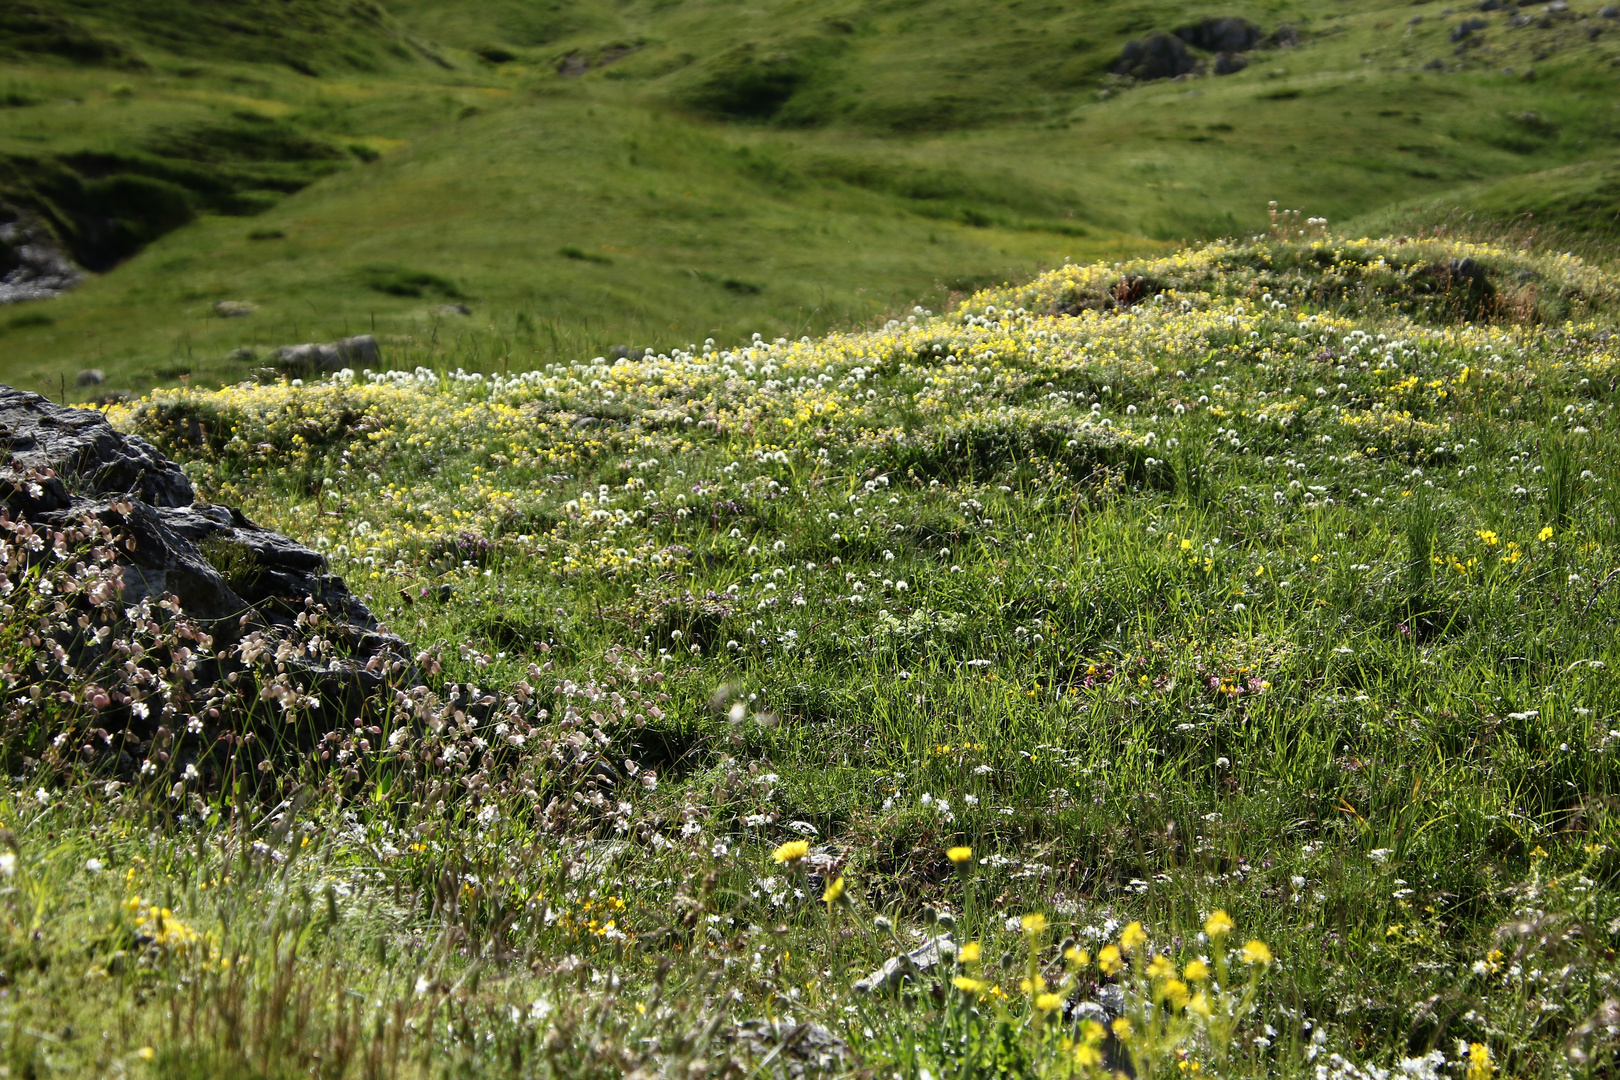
1230 63
62 464
89 377
1285 37
234 309
1557 7
1225 34
1609 11
310 357
1159 56
1494 5
1467 28
32 266
623 352
80 443
791 1051
1436 64
898 969
244 355
452 309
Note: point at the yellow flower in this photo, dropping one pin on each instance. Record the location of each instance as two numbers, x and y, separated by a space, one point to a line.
835 892
1487 536
1161 968
1122 1028
1219 924
1049 1002
970 953
1108 960
1256 952
791 852
1197 971
1480 1065
1087 1056
1133 937
1033 924
1199 1004
1032 988
1077 957
959 855
1173 993
146 1053
967 985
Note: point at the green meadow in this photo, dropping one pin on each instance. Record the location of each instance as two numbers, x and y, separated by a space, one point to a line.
582 176
904 564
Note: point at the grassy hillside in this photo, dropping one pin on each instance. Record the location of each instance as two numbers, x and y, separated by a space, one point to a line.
581 176
1223 639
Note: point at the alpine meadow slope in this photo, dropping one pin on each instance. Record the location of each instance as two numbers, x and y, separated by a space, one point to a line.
856 546
579 176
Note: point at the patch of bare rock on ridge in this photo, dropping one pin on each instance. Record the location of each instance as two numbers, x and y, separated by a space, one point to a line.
32 267
63 465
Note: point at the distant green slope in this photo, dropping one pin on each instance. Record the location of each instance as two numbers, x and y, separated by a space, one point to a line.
649 173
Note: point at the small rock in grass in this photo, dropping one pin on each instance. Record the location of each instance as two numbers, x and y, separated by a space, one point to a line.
1609 11
1230 63
1467 28
898 969
234 309
452 309
309 357
90 377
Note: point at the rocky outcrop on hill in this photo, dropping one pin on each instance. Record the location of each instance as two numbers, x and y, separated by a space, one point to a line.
63 465
1159 56
32 267
1229 39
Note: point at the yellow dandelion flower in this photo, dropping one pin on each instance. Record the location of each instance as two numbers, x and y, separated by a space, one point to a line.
835 893
1173 993
146 1053
1108 960
970 953
959 855
967 985
1161 968
1196 971
1256 952
1033 924
1077 957
1087 1056
791 852
1199 1005
1133 937
1219 924
1122 1028
1480 1065
1049 1002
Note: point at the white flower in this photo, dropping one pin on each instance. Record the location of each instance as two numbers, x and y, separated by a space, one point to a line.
1380 855
42 796
8 863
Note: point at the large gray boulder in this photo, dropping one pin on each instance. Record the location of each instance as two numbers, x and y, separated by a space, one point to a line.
1158 56
1227 34
63 464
